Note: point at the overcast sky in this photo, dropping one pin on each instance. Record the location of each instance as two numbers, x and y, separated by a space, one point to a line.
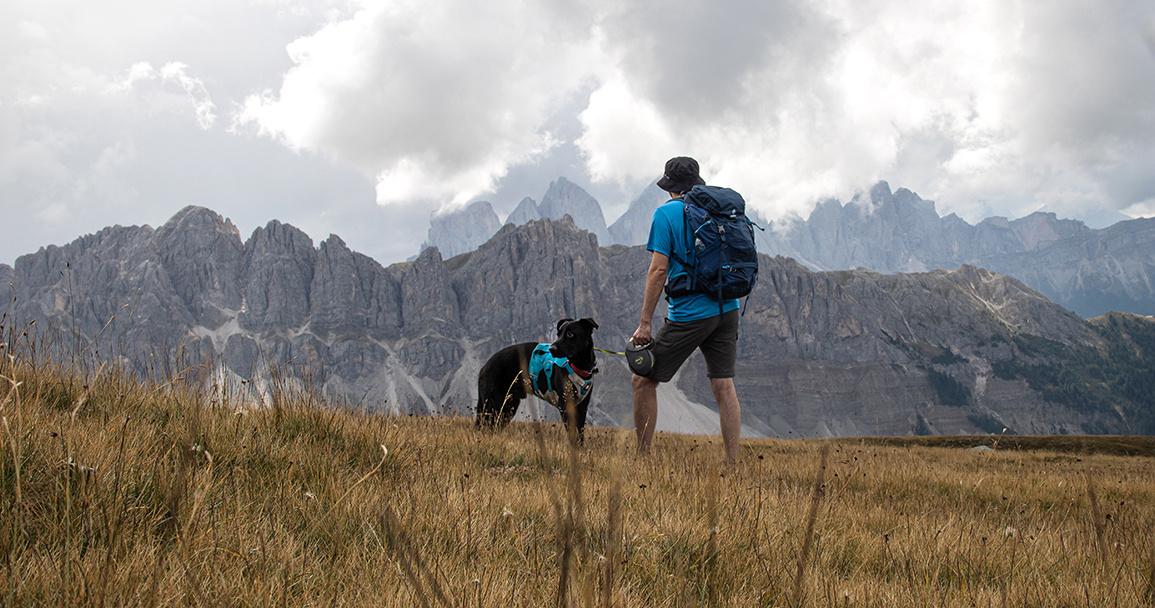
361 117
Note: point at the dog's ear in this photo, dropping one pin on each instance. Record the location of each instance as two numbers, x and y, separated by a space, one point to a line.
562 322
590 322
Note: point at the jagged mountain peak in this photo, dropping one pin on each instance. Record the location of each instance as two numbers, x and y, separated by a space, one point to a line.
275 235
194 217
333 241
525 211
567 198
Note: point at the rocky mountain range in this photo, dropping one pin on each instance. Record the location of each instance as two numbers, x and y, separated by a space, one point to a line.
1086 270
851 352
1090 271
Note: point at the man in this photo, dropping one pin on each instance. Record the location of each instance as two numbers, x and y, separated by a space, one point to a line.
694 321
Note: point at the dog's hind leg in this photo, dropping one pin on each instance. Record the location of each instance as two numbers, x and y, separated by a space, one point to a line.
497 402
490 400
483 413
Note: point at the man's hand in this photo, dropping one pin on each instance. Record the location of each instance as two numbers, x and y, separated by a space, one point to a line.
643 334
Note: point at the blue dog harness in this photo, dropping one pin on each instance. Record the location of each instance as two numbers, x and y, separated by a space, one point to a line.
541 367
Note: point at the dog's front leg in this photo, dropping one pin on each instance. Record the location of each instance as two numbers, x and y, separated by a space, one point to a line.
573 415
580 419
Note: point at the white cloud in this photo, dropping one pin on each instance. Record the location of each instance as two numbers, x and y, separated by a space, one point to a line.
624 136
109 111
202 103
1012 105
173 72
106 116
436 98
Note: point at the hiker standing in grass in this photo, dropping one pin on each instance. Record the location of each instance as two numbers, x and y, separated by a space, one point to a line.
700 316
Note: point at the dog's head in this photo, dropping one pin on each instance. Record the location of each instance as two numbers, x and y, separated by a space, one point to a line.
573 337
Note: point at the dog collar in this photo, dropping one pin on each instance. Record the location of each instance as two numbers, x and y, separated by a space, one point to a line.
584 375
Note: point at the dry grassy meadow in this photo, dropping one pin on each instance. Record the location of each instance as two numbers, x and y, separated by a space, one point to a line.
125 493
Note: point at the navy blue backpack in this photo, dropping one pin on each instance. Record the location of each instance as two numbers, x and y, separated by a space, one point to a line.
722 260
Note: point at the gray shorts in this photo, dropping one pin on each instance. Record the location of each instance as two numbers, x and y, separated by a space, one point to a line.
716 337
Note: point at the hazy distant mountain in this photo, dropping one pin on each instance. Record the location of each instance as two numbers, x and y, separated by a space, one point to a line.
561 199
827 353
1087 270
462 230
633 227
567 198
526 211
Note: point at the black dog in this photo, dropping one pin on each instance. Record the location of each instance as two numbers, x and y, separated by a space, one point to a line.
560 373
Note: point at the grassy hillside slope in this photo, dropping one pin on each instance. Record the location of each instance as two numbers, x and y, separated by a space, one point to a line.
122 493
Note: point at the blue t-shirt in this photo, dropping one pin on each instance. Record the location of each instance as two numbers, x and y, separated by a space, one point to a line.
668 235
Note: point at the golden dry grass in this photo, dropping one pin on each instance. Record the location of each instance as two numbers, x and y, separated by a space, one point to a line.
117 492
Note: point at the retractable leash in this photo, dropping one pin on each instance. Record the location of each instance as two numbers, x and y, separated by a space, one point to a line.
638 357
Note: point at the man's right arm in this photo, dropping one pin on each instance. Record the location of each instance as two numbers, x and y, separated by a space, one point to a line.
655 281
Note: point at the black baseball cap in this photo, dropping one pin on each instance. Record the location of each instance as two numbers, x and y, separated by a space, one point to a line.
681 175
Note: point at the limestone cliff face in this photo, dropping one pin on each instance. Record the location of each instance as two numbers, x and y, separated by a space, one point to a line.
113 278
203 257
428 303
848 352
526 278
352 295
278 272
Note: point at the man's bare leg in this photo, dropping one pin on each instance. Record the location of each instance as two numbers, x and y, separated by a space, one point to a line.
729 413
646 411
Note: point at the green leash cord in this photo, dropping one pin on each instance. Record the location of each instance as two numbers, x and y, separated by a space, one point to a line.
641 361
639 358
